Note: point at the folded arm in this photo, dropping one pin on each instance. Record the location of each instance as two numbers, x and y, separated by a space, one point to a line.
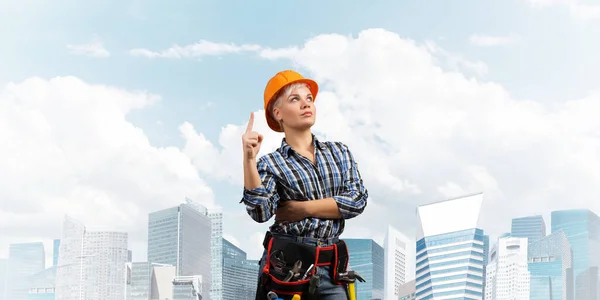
353 199
260 196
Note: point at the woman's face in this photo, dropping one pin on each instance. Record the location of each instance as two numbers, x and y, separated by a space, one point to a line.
297 110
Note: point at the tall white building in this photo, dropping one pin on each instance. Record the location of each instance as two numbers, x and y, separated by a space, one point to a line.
216 251
399 262
507 275
450 247
105 258
91 265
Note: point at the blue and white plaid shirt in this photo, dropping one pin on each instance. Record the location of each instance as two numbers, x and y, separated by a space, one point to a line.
287 175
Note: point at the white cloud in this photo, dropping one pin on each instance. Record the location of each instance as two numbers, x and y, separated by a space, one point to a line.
196 50
69 149
423 131
491 41
94 48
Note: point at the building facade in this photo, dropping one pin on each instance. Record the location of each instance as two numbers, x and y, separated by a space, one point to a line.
450 250
550 262
24 261
367 258
531 227
91 265
240 275
398 262
582 229
181 236
507 275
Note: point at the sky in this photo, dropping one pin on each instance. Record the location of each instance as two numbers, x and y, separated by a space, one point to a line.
112 109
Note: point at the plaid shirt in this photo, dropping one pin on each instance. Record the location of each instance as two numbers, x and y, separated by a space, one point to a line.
287 175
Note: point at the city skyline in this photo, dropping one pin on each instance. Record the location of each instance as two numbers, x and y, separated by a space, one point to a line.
518 260
107 121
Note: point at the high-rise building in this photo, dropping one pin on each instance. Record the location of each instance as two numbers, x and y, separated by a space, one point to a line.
550 262
398 262
240 275
139 280
507 276
42 285
24 260
367 258
532 227
486 256
69 277
216 252
3 277
450 247
91 265
55 248
181 236
582 228
105 256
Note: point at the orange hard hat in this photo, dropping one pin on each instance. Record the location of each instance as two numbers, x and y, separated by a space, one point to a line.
279 81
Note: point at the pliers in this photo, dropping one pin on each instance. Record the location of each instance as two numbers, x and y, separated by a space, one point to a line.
294 272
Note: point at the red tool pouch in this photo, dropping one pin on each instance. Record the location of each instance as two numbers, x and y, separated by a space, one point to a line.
283 254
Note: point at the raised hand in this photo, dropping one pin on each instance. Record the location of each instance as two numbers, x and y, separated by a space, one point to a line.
251 140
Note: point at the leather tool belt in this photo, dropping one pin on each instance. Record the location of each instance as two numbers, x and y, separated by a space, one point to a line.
290 267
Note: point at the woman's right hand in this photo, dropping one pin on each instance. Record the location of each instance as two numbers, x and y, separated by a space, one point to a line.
251 140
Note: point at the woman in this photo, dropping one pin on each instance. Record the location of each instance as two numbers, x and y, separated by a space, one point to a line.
310 186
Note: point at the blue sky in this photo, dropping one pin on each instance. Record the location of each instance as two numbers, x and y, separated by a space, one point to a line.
544 54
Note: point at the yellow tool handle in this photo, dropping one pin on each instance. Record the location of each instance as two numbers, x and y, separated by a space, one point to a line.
351 291
296 297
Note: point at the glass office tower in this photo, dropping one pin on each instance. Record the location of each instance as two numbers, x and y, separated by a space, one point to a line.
582 228
367 258
239 274
532 227
24 260
550 262
181 236
450 249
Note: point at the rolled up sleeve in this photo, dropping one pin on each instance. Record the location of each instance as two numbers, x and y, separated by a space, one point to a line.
261 201
353 200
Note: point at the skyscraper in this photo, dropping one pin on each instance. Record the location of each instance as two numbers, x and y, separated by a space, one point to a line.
24 260
550 262
181 236
450 250
105 256
398 262
367 258
239 274
507 275
91 265
533 228
216 252
55 248
69 277
582 228
3 277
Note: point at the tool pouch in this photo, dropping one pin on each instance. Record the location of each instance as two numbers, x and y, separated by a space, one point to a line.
281 256
340 262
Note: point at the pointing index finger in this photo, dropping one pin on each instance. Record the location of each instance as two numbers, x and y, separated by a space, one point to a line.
250 123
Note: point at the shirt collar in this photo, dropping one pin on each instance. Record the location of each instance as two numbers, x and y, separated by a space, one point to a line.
286 148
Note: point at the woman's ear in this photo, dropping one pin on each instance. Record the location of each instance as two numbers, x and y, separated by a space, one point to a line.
276 114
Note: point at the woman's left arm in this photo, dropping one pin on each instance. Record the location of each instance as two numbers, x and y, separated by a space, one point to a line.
351 202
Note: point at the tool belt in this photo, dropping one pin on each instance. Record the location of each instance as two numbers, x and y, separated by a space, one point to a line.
290 267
